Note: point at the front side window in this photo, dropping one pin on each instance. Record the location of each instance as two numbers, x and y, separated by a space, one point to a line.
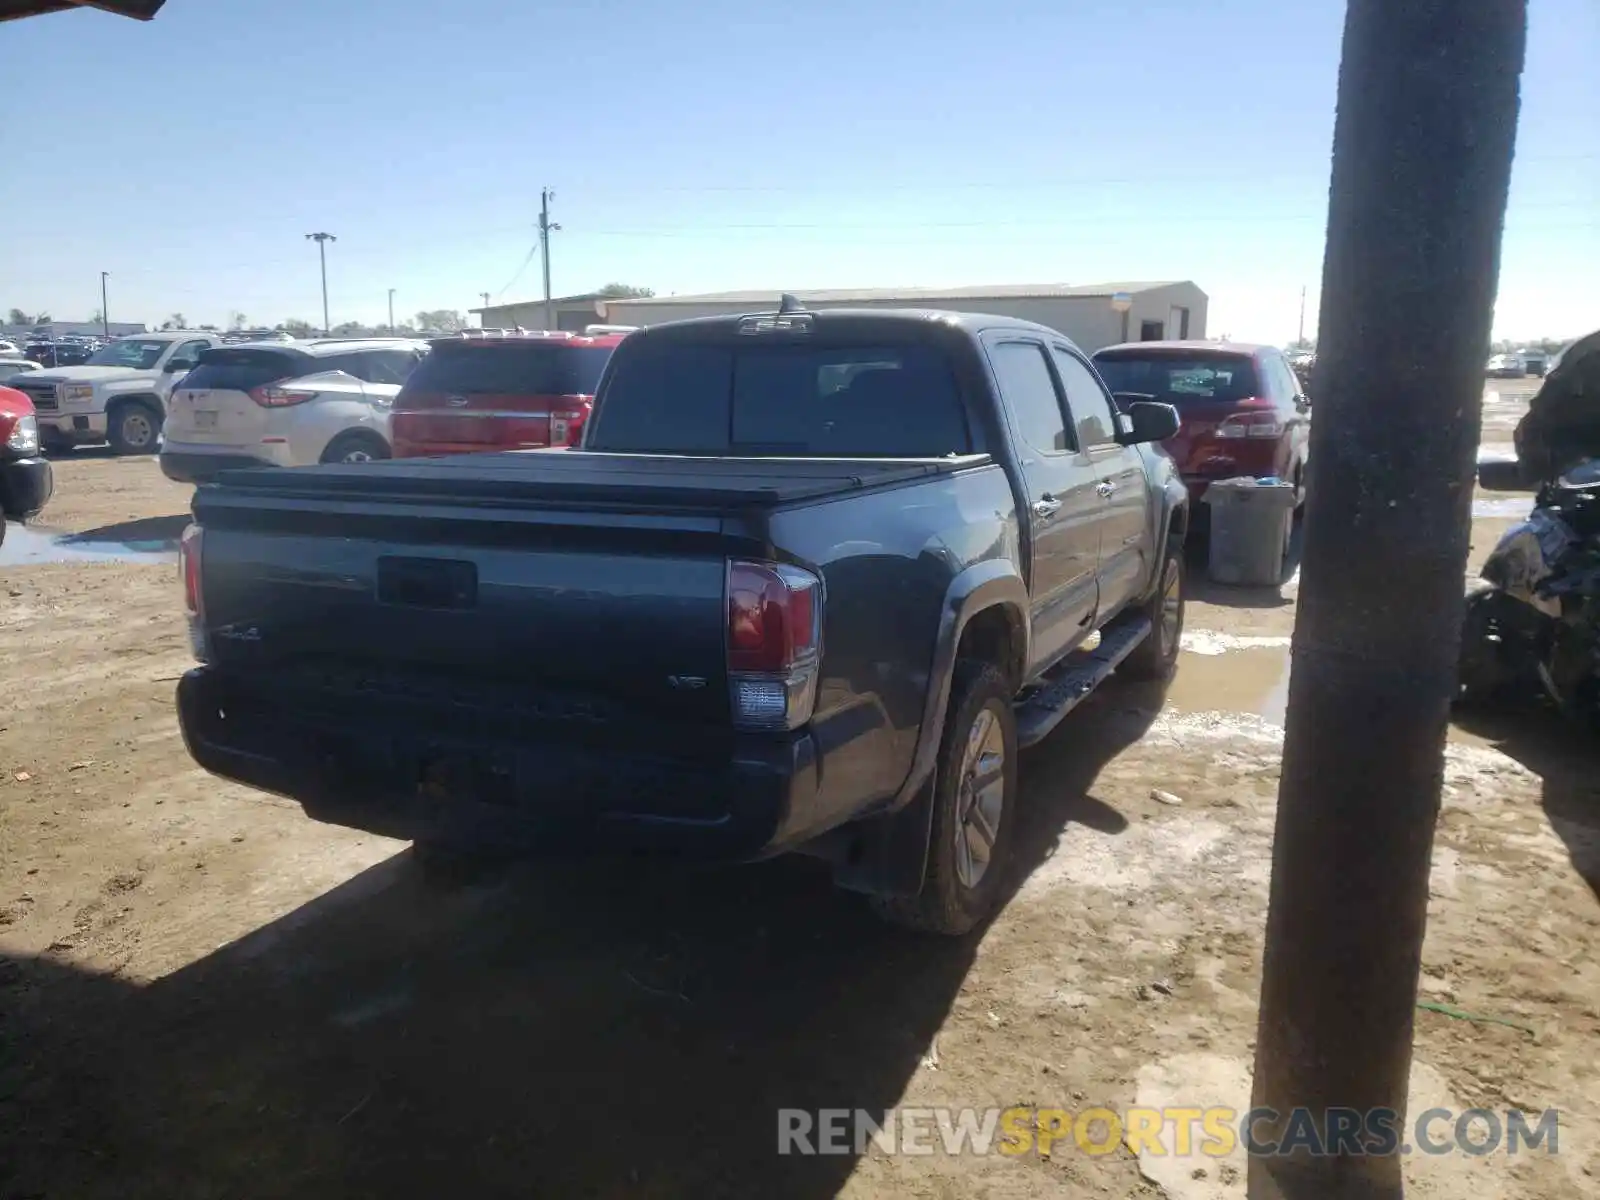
1090 405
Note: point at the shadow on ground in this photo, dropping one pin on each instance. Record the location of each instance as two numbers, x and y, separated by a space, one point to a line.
573 1031
144 531
1567 759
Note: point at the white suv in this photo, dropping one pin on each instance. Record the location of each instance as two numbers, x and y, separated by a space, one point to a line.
285 405
118 396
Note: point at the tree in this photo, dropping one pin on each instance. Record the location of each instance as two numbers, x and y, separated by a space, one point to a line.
1422 143
175 321
236 320
17 317
445 320
97 316
349 328
43 318
296 327
625 291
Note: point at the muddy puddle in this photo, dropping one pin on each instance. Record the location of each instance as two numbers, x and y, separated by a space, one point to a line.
1218 673
32 545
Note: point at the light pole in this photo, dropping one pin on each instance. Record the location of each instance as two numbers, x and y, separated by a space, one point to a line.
322 240
391 310
105 315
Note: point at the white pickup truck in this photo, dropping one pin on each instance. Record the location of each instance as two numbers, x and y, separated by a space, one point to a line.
118 396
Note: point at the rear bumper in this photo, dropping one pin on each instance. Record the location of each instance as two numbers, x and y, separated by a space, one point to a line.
26 485
184 467
396 775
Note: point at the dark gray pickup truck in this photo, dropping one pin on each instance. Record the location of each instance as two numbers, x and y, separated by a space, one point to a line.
809 584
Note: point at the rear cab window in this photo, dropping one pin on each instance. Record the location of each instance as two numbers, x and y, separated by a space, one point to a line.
782 399
1184 380
241 370
511 368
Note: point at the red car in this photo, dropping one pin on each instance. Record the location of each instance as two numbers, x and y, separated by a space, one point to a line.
25 478
518 391
1242 408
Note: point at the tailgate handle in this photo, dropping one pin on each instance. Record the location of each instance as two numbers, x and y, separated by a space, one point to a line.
428 582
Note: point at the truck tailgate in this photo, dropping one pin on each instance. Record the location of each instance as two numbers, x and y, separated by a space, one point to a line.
559 580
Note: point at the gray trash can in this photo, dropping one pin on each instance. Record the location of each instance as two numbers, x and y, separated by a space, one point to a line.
1250 524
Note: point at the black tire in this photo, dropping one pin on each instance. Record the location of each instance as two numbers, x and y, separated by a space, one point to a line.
955 897
1487 675
1157 656
358 445
134 427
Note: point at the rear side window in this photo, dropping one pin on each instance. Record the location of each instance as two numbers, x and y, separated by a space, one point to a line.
241 370
509 368
782 400
1182 380
1030 394
388 366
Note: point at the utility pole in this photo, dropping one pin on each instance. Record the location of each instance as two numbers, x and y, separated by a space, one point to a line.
1427 111
1300 337
391 311
322 240
482 316
545 229
105 308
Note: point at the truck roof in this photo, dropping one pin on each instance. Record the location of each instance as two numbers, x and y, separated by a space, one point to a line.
968 322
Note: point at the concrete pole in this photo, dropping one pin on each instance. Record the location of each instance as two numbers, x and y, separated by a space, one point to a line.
1427 111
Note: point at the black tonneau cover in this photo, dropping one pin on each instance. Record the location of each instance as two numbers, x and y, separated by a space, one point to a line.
585 477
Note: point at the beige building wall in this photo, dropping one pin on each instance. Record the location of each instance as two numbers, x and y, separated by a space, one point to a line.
1089 321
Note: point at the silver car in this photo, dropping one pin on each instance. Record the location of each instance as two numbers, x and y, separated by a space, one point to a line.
285 405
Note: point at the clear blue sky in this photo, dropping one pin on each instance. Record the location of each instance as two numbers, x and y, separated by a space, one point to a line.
707 144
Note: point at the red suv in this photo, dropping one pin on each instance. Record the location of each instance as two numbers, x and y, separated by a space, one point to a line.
1241 407
517 391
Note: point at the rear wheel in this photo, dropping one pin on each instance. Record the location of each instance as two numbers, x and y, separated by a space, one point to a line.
975 788
1157 656
356 447
133 428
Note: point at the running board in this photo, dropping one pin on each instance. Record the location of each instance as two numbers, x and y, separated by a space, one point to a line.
1079 674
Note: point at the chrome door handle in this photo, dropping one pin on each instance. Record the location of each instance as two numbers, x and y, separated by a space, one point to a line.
1105 487
1047 506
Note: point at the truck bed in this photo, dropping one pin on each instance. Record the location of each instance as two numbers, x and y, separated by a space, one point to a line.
575 478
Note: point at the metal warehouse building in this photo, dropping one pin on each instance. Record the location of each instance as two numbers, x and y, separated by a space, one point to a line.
1085 312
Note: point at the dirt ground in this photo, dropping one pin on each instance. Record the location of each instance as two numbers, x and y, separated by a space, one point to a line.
203 994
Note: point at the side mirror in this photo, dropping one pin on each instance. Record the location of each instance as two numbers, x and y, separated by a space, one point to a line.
1151 422
1124 399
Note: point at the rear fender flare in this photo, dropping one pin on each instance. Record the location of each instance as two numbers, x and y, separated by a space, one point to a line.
895 848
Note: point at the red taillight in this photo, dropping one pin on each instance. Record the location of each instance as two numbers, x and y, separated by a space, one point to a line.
270 395
772 616
774 636
566 425
1258 420
194 597
189 563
